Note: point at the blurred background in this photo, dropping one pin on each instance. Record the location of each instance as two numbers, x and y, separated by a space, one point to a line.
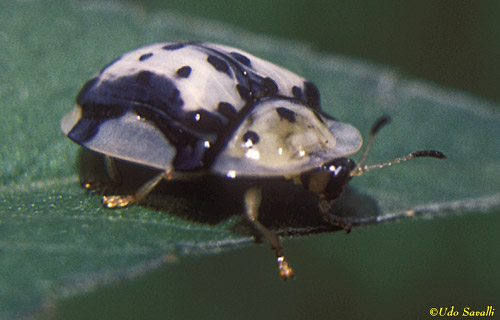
454 43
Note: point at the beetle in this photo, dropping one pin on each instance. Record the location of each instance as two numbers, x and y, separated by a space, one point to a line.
193 109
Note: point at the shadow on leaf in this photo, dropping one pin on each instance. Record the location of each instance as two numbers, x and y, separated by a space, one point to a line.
286 208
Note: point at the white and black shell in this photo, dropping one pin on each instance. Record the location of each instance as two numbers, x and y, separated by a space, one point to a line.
189 106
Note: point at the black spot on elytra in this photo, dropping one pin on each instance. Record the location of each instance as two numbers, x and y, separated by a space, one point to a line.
145 88
93 114
271 86
145 93
227 110
183 72
286 114
153 90
252 136
173 46
145 56
241 58
203 121
243 92
143 77
297 92
189 147
219 64
312 95
92 117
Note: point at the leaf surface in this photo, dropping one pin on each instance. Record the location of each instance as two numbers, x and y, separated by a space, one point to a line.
56 240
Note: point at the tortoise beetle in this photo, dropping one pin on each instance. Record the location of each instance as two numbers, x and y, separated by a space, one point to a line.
191 109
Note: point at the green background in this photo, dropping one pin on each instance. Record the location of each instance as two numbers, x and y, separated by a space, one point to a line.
389 271
396 271
455 43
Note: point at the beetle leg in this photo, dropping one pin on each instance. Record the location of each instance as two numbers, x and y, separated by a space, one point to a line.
93 186
101 186
252 199
112 170
124 200
325 206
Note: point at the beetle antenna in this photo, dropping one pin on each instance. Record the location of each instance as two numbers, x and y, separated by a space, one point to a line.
361 168
373 132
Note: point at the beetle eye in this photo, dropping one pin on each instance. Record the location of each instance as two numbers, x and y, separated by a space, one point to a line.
335 169
339 170
330 179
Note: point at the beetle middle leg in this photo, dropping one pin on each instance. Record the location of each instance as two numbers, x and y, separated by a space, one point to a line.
114 201
113 173
325 206
252 199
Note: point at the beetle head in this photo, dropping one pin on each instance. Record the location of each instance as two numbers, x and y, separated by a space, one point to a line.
329 179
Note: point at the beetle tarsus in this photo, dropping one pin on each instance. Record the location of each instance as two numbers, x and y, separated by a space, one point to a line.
285 271
97 187
93 186
118 201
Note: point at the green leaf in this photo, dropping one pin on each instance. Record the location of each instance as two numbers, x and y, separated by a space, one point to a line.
56 240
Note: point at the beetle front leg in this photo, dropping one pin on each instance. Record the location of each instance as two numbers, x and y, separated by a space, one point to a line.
99 186
115 201
252 199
